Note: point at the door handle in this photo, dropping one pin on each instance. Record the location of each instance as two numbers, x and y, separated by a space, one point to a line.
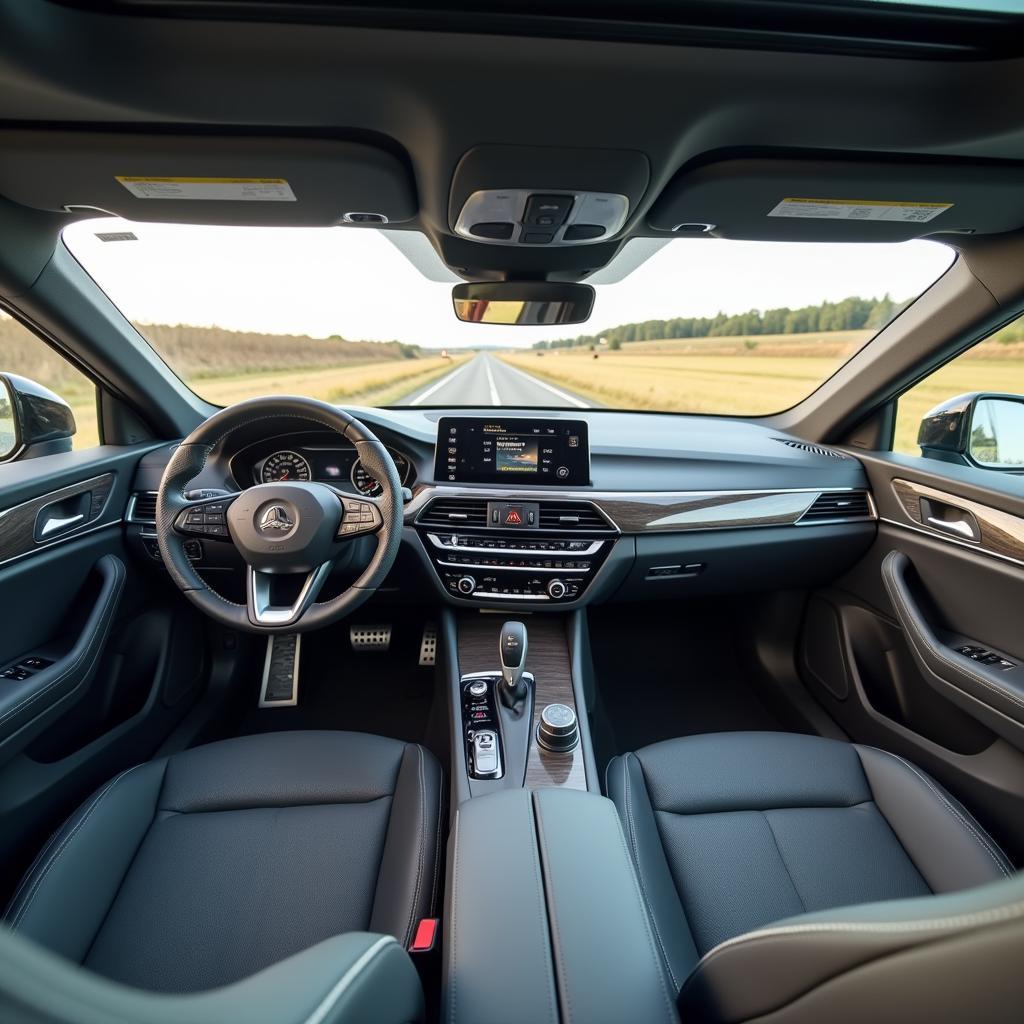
958 526
54 525
951 519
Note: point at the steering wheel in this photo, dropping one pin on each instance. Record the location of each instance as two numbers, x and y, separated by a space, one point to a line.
280 529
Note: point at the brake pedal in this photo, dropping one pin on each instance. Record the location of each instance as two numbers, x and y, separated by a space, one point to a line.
365 639
428 645
280 686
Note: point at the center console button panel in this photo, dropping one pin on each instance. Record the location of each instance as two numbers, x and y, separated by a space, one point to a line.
481 732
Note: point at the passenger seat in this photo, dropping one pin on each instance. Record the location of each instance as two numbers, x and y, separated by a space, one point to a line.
746 844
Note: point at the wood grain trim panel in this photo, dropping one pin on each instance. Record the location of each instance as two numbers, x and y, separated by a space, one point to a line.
547 657
1001 533
18 523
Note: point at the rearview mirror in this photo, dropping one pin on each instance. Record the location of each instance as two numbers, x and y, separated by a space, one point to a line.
33 420
976 430
523 303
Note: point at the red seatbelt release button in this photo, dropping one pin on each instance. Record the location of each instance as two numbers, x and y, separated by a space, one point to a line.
426 935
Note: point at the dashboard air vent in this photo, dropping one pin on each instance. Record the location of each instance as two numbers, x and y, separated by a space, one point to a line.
144 508
832 506
811 449
571 515
453 512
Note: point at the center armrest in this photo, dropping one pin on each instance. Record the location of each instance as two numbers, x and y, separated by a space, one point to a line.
545 918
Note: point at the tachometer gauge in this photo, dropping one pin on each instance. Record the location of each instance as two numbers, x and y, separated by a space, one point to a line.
285 466
366 484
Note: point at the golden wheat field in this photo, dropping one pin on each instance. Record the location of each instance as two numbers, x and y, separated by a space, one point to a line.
726 376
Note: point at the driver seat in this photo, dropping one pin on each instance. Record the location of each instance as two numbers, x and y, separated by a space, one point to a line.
196 870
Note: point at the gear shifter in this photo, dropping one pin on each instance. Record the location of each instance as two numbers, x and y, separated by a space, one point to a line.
512 650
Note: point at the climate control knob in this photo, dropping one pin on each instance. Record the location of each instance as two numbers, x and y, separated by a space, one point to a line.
466 585
556 589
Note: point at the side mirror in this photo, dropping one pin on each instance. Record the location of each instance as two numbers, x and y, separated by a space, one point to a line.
33 420
976 429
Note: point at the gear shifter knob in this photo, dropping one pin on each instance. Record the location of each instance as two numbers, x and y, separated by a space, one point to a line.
512 650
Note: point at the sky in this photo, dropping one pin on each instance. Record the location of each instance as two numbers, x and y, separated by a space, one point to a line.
355 283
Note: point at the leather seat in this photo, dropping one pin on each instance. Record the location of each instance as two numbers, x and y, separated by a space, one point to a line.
745 843
196 870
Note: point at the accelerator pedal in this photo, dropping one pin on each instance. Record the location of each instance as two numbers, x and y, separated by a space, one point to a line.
428 645
280 686
370 639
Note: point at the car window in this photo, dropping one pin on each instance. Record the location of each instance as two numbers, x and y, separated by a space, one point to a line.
993 365
25 354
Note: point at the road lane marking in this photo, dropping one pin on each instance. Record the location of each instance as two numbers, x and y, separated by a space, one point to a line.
446 379
495 397
547 387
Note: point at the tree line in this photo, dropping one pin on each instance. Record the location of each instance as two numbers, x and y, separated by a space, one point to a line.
851 314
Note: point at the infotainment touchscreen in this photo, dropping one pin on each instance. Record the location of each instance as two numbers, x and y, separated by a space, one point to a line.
512 451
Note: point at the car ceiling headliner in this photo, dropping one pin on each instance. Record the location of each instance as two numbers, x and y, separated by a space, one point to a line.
437 94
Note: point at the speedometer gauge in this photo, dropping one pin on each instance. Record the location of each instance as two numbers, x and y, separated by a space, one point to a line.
368 485
285 466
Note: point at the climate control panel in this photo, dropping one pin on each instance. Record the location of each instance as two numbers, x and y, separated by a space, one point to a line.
512 568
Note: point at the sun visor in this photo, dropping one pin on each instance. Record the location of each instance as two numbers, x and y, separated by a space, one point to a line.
840 201
207 179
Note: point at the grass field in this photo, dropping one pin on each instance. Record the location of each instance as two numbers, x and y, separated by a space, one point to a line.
724 375
370 384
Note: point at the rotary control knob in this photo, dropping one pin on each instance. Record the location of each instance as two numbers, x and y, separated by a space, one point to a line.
466 585
558 729
477 688
556 589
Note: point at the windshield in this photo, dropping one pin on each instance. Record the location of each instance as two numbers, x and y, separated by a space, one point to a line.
364 317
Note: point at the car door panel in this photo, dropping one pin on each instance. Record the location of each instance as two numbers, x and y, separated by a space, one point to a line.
879 646
128 656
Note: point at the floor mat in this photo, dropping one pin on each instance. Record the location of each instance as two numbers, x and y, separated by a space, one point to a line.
668 671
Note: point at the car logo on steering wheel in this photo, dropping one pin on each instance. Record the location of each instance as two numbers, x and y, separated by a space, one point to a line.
275 518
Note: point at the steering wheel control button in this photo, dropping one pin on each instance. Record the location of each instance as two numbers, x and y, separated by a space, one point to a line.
360 517
206 520
558 730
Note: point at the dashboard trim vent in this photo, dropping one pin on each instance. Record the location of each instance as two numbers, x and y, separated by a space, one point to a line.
573 515
142 508
838 507
811 449
454 512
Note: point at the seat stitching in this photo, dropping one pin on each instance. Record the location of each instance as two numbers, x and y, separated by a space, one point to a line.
639 871
437 845
95 641
782 860
453 960
648 918
30 897
419 861
897 598
954 812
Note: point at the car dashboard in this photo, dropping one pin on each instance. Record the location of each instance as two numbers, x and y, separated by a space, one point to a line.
536 509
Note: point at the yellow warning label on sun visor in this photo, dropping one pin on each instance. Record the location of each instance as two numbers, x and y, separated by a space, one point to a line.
258 190
859 209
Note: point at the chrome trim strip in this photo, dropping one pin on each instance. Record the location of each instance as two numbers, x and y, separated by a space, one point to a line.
505 568
944 538
504 597
593 548
263 613
61 540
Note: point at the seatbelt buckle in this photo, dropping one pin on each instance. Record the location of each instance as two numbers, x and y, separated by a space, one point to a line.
425 937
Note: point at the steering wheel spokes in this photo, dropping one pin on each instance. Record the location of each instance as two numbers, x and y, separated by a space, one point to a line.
206 518
361 516
259 588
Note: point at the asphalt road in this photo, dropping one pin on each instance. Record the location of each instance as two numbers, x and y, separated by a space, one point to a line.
485 380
